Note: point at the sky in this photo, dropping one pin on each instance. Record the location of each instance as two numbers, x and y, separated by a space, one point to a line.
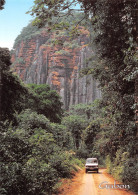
12 20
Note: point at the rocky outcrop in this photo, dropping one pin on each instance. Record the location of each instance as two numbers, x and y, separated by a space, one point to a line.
56 59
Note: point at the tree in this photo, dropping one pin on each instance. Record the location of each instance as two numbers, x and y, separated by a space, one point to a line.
45 101
75 124
45 11
90 133
31 160
4 62
113 34
12 91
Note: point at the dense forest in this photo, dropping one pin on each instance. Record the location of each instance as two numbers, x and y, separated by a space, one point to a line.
42 143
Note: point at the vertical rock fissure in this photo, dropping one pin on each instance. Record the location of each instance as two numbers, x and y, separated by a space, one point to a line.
35 60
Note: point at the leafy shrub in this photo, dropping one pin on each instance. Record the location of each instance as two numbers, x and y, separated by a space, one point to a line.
30 120
31 161
41 176
125 169
79 162
109 164
82 153
14 153
62 136
61 162
130 175
25 162
45 101
65 163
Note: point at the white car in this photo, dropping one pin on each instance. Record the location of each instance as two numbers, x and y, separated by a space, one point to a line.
91 164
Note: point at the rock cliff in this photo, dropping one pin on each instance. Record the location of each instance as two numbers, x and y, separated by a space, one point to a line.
56 59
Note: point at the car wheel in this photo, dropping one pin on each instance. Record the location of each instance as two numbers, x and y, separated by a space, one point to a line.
86 171
97 171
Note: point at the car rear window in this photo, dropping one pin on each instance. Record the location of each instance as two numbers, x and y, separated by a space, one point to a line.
91 161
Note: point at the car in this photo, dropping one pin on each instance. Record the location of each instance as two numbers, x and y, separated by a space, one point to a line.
91 165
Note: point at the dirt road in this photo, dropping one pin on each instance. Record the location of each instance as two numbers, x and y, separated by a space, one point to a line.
88 184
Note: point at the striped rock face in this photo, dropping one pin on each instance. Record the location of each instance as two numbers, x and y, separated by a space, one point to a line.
56 59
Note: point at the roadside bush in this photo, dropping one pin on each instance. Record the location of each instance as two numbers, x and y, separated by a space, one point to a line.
119 164
130 175
14 153
77 163
31 161
25 162
41 177
61 162
125 169
109 164
82 153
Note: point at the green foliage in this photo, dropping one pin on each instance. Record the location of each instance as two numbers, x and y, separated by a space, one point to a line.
61 162
75 124
13 154
27 33
123 168
5 58
31 160
88 111
53 13
129 173
83 122
60 25
16 97
31 120
12 90
45 101
109 164
90 134
62 135
82 152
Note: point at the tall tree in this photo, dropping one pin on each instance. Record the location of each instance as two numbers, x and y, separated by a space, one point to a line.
75 124
4 64
45 101
12 90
